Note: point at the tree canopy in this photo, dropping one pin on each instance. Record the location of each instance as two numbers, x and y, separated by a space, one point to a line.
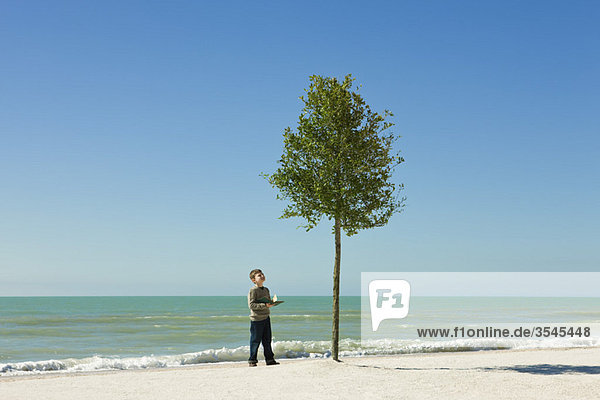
339 161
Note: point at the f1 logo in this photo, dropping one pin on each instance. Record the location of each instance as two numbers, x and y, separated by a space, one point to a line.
389 299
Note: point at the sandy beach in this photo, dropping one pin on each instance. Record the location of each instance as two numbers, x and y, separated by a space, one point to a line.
504 374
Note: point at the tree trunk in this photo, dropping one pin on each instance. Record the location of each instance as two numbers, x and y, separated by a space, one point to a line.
335 335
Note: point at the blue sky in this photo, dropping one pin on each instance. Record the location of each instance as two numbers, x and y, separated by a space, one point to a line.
133 135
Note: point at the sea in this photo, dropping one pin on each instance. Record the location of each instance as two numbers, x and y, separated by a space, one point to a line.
40 335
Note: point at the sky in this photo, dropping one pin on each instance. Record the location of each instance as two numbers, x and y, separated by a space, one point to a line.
133 135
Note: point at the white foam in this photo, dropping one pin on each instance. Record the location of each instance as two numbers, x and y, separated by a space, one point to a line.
285 349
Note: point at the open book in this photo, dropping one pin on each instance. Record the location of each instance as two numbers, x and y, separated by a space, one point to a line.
267 300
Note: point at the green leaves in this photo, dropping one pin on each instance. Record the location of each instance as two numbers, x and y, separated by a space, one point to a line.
339 161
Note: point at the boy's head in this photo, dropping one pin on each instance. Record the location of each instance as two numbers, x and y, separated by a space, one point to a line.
257 276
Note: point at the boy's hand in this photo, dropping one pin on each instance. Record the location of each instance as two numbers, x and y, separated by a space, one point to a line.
269 305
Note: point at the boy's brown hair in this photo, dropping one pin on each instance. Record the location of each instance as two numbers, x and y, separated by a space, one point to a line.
254 272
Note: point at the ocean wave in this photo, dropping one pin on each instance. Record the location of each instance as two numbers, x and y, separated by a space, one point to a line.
284 349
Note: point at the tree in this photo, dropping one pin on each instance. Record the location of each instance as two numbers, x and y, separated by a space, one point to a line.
338 164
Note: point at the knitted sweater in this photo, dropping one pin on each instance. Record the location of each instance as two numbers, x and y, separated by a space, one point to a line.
258 311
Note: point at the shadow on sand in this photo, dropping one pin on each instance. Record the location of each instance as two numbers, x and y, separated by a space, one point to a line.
538 369
551 369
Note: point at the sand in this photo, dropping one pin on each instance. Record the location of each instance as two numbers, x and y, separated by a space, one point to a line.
504 374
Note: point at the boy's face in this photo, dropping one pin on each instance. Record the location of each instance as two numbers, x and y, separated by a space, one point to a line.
259 278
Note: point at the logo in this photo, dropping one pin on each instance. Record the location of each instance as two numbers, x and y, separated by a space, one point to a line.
389 299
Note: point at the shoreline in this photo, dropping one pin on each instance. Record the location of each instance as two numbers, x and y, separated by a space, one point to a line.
524 374
240 363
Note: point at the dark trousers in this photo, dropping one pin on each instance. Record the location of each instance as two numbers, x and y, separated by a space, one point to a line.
260 332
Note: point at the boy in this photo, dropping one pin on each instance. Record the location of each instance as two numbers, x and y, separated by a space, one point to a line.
260 323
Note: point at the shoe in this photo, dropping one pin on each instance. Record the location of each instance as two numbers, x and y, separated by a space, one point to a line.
272 362
252 363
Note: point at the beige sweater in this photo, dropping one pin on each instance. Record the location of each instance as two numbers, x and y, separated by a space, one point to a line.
258 311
